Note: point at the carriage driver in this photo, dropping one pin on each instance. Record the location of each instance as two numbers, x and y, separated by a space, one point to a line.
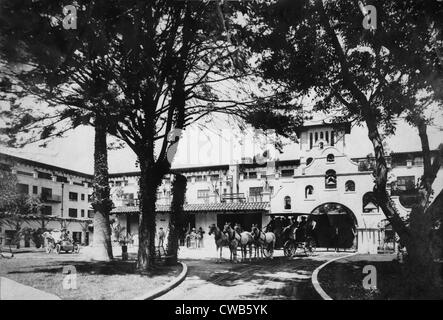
301 230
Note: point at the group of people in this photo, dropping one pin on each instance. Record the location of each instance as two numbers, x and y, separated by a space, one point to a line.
290 227
194 238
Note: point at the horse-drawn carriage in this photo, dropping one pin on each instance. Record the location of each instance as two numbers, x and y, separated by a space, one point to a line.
59 241
295 238
292 239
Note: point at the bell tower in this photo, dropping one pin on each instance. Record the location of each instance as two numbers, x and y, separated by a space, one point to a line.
316 136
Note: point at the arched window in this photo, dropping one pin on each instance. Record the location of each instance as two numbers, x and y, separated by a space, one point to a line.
330 179
349 186
330 158
287 202
309 192
308 161
369 202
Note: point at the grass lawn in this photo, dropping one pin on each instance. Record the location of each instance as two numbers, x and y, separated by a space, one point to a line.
95 280
343 279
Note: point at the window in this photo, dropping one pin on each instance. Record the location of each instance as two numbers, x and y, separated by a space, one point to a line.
330 179
332 138
72 213
350 186
316 136
327 136
44 175
308 161
22 188
252 175
91 214
255 194
406 183
369 203
46 210
287 201
311 142
46 193
73 196
82 213
61 179
24 173
330 158
82 197
321 135
202 194
309 192
34 190
89 197
287 173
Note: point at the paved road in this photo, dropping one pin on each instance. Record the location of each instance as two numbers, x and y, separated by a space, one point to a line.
280 278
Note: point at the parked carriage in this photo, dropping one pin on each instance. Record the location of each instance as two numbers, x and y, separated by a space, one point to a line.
294 241
58 241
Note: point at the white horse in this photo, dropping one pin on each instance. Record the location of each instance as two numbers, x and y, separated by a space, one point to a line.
266 240
245 241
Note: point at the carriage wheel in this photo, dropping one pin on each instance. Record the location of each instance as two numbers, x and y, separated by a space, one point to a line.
287 249
293 248
58 248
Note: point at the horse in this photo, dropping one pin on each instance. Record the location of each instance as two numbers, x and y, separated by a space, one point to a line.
264 239
234 239
221 239
245 241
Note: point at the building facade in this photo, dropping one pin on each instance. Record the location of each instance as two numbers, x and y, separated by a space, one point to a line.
64 195
332 190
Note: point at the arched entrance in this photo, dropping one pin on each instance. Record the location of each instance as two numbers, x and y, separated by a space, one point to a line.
335 225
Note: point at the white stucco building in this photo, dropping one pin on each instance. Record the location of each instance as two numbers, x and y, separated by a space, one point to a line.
323 183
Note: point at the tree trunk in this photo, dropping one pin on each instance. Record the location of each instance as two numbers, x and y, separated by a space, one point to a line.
149 182
101 204
416 238
176 220
381 177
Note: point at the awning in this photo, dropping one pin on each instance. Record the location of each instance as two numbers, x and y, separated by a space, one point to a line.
221 207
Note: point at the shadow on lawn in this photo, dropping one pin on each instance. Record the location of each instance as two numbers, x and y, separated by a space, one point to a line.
97 268
344 280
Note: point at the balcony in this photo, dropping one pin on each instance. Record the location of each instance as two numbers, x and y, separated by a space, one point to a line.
50 198
233 197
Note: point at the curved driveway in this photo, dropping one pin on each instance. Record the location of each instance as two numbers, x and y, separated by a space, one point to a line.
280 278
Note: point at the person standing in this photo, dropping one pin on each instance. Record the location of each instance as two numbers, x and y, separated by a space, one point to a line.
161 237
200 237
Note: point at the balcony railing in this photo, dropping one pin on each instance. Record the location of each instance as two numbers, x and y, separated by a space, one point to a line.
255 198
51 198
228 197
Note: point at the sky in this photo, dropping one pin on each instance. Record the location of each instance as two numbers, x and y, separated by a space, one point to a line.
216 145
